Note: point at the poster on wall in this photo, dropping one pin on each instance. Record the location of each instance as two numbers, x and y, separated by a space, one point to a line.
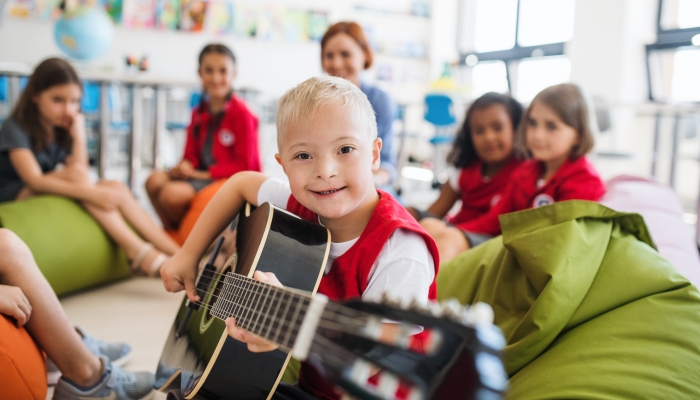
271 23
296 26
220 17
245 19
22 8
192 16
318 25
114 9
139 13
48 10
168 14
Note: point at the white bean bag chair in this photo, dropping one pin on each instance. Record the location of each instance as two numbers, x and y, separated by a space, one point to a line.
663 214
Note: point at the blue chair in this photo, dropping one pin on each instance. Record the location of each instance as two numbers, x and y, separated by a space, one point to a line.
439 111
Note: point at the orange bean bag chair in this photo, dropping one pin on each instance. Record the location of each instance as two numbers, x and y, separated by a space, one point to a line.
22 365
197 205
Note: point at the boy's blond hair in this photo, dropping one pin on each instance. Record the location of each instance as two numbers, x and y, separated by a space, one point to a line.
308 96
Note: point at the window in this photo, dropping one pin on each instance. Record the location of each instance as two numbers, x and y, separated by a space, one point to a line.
495 25
517 45
489 76
672 62
534 75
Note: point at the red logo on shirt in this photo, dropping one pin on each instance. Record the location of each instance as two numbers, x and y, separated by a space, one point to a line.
226 137
542 200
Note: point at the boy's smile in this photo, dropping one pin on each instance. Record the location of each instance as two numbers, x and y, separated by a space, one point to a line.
329 161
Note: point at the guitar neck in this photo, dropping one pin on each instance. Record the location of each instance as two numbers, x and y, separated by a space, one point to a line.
272 313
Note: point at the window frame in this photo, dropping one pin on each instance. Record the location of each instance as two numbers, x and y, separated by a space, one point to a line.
667 39
516 53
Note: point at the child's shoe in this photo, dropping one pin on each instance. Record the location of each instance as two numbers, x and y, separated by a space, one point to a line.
116 384
117 353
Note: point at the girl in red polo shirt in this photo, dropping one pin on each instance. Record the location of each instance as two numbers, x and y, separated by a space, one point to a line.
221 140
556 134
484 160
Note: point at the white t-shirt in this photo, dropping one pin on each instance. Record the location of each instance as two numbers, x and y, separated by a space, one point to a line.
404 268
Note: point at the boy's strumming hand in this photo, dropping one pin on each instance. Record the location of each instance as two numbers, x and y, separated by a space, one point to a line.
15 304
179 272
256 344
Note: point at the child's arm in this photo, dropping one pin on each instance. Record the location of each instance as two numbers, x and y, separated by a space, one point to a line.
33 177
179 272
440 207
78 156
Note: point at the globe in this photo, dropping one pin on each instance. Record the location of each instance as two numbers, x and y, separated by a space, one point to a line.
84 33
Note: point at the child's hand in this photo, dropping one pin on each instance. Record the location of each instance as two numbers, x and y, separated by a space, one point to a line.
75 125
256 344
14 303
106 197
179 272
182 171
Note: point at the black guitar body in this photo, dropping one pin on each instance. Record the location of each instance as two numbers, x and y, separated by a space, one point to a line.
199 358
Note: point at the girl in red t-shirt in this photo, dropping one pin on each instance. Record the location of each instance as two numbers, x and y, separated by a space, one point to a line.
221 140
556 133
484 160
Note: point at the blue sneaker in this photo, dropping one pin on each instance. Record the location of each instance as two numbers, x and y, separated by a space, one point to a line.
117 353
116 384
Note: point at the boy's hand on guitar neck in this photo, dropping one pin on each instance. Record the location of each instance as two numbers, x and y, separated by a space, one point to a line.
256 344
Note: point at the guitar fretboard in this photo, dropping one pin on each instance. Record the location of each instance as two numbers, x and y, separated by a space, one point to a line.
270 312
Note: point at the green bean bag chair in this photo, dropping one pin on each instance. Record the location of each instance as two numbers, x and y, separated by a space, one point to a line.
70 248
588 307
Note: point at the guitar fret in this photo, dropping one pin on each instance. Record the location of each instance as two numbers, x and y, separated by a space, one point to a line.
283 319
273 316
246 310
257 307
296 327
293 321
266 312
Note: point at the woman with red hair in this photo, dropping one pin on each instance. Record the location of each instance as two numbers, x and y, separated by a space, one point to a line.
345 52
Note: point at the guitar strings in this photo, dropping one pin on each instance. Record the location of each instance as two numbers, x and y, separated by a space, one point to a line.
242 291
243 279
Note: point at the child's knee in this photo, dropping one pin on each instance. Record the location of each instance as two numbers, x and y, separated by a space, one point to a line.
156 181
433 226
10 243
174 196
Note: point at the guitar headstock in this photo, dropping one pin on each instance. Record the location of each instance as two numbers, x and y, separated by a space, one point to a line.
456 356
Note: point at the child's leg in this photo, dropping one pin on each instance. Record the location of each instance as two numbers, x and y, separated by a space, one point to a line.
450 240
175 198
141 221
48 323
154 184
113 223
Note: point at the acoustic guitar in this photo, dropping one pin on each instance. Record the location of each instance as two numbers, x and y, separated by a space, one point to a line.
340 340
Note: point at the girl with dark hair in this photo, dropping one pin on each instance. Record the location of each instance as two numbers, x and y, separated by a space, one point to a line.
345 52
46 129
484 160
556 134
222 139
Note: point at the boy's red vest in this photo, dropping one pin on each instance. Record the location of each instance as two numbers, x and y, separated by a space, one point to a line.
479 194
349 274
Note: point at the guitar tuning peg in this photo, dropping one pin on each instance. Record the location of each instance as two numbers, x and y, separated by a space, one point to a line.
391 299
415 394
360 372
483 314
387 385
452 309
435 309
478 314
419 305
